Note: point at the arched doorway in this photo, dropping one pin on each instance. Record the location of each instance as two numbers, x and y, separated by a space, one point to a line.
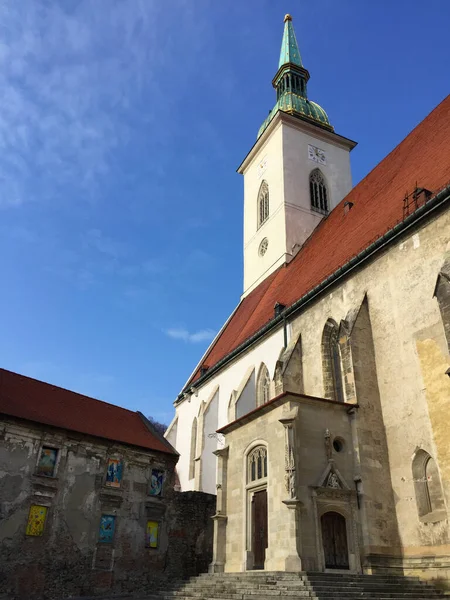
257 524
334 540
259 528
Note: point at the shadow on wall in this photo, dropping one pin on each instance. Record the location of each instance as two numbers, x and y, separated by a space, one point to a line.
379 518
53 572
190 546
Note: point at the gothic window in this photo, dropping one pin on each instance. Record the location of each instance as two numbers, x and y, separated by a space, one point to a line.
257 464
331 362
263 386
193 449
318 192
442 293
427 485
263 203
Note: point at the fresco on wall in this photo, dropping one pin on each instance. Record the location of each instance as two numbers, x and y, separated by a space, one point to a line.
152 533
36 520
47 462
107 526
114 473
156 482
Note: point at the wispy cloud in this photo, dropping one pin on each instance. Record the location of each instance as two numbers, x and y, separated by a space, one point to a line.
68 75
180 333
95 239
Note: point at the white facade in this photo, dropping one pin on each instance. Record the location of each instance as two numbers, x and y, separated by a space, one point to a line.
283 157
197 406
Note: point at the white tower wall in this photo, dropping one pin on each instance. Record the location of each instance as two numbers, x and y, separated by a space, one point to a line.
281 157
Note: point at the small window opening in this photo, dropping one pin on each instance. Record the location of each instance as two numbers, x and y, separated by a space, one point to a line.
318 192
257 463
338 444
263 203
278 309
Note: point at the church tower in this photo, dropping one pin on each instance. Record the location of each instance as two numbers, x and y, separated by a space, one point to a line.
295 174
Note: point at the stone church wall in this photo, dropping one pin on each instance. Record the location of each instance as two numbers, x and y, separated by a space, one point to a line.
69 558
394 358
401 388
314 418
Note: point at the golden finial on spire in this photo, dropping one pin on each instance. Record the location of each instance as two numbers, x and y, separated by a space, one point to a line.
287 18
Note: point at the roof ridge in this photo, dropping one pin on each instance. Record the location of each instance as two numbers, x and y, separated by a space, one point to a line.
52 385
410 132
378 207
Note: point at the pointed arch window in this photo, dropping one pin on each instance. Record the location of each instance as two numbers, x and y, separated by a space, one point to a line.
263 203
263 386
442 293
427 485
193 449
257 464
318 192
331 362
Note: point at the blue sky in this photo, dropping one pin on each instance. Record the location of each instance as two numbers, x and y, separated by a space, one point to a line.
121 125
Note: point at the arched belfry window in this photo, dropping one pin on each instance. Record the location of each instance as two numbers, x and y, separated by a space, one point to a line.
427 485
318 192
257 464
263 386
331 362
263 203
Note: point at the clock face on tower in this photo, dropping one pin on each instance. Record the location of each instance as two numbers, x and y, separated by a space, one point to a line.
262 167
317 155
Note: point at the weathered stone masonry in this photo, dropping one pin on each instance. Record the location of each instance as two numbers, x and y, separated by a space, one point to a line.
68 558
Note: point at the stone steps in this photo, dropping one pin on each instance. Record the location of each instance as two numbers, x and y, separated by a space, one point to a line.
263 585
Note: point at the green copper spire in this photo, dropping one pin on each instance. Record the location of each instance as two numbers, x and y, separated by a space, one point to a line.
289 47
291 82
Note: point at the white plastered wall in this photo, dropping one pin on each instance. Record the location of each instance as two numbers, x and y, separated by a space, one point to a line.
228 380
282 160
267 164
300 219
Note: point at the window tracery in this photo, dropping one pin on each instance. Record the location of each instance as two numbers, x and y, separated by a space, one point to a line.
263 388
257 464
263 203
318 192
331 362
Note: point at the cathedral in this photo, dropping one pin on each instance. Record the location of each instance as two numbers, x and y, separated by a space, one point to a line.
319 413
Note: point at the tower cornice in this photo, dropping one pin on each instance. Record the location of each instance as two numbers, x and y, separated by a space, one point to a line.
302 124
292 68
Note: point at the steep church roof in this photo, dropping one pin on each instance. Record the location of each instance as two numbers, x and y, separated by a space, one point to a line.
377 206
26 398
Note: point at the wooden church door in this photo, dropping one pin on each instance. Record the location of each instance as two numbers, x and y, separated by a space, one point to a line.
259 528
334 539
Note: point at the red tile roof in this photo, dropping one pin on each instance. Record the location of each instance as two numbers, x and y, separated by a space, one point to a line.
422 157
41 402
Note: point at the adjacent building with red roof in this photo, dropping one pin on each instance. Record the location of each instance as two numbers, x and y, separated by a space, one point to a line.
88 500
